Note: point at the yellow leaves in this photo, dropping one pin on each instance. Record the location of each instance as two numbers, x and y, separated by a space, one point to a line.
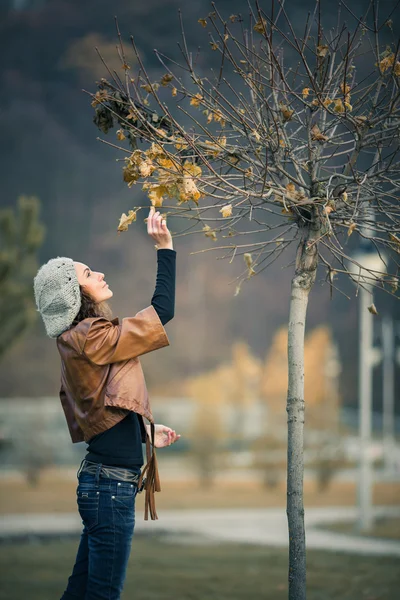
216 147
181 144
256 135
192 169
372 309
226 210
397 69
203 22
351 229
290 187
260 26
348 106
208 232
386 62
155 151
233 18
322 51
338 108
214 46
361 119
189 190
99 97
248 259
120 135
305 92
196 100
126 220
166 79
396 241
150 88
249 172
174 91
317 135
146 168
216 115
345 88
156 194
287 113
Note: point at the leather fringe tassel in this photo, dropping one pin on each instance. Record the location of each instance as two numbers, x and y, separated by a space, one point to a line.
152 483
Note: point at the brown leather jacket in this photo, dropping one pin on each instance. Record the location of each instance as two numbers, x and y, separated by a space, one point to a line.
102 378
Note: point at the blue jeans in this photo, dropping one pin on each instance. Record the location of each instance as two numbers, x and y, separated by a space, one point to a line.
107 509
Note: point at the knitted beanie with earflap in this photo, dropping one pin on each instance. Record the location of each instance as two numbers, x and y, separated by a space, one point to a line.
57 294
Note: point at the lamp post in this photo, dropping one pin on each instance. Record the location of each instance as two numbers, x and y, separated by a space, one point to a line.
369 357
388 411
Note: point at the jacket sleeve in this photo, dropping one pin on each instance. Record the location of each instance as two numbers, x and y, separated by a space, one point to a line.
75 431
106 342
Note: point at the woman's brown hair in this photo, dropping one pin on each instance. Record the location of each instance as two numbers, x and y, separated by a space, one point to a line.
89 308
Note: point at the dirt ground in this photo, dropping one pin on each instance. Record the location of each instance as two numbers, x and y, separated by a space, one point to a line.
56 493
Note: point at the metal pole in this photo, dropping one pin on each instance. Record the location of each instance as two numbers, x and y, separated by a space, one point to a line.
365 409
388 416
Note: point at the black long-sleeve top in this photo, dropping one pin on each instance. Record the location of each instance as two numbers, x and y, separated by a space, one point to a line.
121 445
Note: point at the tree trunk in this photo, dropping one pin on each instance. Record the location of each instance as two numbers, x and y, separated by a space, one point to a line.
306 266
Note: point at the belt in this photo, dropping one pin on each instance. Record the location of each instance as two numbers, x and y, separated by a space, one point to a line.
111 472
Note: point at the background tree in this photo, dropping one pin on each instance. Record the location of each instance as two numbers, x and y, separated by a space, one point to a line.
294 136
21 234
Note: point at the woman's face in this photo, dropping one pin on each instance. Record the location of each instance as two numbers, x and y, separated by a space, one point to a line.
92 282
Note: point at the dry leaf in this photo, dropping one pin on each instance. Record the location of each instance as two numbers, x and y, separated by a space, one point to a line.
260 26
120 135
166 79
196 100
372 309
386 62
126 220
286 111
345 88
339 108
351 229
322 51
226 210
208 232
317 135
248 259
233 18
203 22
174 91
214 46
305 92
290 187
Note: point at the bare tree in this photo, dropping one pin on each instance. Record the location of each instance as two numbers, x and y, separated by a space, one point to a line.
292 136
21 235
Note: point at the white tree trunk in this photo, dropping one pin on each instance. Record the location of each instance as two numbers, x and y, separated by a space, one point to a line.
303 280
295 454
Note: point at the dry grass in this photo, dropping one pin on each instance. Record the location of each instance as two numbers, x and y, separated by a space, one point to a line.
157 571
56 493
385 527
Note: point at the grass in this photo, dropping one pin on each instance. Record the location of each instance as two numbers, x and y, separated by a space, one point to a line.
387 528
56 493
172 571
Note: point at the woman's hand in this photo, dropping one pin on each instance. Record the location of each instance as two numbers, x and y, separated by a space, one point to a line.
158 230
164 436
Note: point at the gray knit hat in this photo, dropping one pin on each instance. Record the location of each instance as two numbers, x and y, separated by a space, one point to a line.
57 294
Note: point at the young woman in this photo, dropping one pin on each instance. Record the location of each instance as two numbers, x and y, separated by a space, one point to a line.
104 397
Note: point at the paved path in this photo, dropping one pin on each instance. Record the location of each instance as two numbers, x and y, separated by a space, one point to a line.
256 526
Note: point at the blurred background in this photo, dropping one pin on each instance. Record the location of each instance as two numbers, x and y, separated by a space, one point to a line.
222 382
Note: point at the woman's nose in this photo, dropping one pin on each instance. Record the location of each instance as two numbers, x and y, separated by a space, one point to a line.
101 275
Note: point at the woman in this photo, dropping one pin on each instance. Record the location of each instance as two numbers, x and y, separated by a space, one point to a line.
104 397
